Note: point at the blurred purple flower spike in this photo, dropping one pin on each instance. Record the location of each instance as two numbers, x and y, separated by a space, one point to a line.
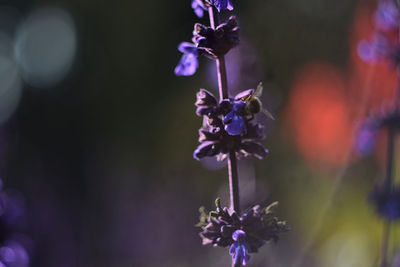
387 16
239 248
188 64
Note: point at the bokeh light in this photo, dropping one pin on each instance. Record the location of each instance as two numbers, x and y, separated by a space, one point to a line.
319 116
45 46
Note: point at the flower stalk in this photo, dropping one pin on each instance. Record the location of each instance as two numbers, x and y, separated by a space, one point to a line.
223 94
220 61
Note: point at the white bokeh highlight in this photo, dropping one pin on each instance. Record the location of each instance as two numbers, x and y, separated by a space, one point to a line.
45 47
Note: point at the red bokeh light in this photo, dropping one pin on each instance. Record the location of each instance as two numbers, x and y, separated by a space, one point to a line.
319 116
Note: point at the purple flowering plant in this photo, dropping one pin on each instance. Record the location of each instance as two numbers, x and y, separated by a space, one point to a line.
385 197
228 132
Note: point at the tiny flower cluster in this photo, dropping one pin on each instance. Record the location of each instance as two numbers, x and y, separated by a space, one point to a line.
383 46
386 202
244 234
209 42
227 126
368 130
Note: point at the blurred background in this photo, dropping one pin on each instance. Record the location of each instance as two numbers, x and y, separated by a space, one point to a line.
97 134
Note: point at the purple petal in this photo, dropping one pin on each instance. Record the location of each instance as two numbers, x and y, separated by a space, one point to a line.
238 235
255 149
207 149
187 66
232 249
187 48
234 124
220 4
205 98
240 255
198 8
230 5
245 259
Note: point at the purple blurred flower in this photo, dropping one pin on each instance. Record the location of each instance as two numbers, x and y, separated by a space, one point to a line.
188 64
199 7
13 254
239 248
387 16
386 202
244 234
374 50
215 140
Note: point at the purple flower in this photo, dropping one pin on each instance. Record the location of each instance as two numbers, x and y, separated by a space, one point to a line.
217 138
234 121
374 50
244 234
387 16
239 248
386 202
222 4
198 7
188 64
